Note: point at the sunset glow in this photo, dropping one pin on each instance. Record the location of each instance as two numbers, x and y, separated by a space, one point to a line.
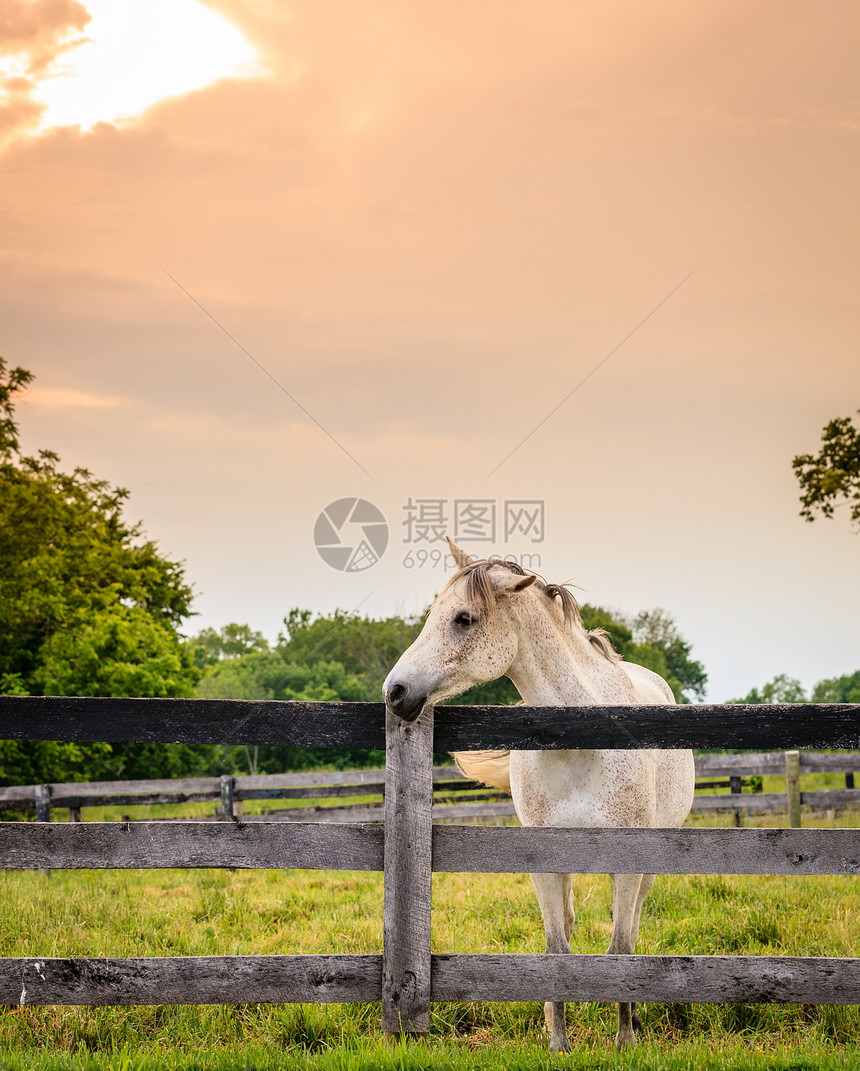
138 52
266 256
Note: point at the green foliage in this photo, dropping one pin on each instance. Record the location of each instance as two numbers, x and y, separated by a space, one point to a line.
782 689
652 640
209 647
67 556
657 629
364 647
88 606
38 762
832 477
838 689
119 651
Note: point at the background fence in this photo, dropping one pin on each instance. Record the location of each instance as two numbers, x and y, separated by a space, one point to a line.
406 976
454 797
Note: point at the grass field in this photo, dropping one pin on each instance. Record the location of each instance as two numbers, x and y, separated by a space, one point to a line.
206 912
121 913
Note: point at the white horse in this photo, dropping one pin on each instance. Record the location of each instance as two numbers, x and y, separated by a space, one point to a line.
494 619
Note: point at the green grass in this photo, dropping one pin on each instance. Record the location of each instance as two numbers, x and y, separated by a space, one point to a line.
132 913
208 912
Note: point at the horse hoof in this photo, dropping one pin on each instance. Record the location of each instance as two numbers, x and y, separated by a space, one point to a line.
625 1041
560 1046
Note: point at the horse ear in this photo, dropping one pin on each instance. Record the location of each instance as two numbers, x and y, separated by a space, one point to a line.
509 583
461 558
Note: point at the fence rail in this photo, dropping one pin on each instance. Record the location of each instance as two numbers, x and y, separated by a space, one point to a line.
406 977
454 795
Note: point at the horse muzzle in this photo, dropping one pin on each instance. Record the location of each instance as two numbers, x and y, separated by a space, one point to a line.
403 702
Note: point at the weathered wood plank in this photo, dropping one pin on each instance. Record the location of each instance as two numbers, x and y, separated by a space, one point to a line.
354 812
750 765
783 725
685 979
831 797
408 876
193 721
773 762
140 845
217 721
344 978
811 762
769 802
333 777
192 980
518 850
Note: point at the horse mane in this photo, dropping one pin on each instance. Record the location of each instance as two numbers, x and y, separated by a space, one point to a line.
480 593
492 768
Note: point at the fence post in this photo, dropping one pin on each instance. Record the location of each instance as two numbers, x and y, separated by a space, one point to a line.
792 786
226 785
43 813
43 803
408 875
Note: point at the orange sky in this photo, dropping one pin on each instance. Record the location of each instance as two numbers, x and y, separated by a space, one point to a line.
429 222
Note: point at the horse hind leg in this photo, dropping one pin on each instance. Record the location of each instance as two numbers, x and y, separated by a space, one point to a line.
553 894
626 906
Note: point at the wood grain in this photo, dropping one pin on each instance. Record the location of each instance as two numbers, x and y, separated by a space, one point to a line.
351 725
193 721
684 979
191 980
134 845
408 876
519 850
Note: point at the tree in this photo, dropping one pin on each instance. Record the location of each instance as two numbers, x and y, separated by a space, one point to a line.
652 640
838 689
657 629
88 606
831 478
209 647
71 566
782 689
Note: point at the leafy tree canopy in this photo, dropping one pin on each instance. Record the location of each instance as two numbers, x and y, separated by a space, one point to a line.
782 689
831 477
785 689
838 689
209 646
652 640
71 566
88 605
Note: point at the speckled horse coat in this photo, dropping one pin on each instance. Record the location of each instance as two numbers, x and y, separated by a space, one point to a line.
494 619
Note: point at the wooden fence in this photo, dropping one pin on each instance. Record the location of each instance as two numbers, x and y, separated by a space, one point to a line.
314 793
406 976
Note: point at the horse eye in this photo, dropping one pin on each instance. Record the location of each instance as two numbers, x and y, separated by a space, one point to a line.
463 619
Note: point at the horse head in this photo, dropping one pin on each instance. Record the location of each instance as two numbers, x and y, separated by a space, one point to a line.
469 636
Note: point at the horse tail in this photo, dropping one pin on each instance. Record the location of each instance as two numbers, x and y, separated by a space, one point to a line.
492 768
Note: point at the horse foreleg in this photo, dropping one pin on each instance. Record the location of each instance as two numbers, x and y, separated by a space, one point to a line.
626 905
644 888
553 893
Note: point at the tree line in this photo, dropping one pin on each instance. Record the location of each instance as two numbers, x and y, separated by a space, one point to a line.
89 606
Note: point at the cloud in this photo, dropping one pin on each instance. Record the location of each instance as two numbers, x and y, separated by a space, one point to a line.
33 35
58 398
41 29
